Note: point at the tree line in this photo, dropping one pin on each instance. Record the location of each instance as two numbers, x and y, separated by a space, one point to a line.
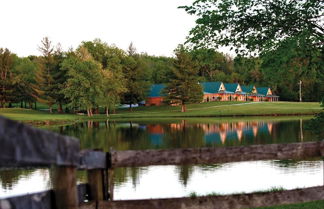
98 74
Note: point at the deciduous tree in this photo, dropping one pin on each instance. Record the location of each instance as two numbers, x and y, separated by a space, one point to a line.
257 25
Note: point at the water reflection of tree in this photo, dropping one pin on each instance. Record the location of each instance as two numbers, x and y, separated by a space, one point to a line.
180 134
296 163
122 175
184 171
9 178
185 136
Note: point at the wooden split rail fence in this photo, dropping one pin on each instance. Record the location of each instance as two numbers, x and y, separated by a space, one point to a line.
24 146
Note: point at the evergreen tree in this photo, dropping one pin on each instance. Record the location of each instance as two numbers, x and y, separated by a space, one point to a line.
184 87
137 78
6 76
59 78
44 76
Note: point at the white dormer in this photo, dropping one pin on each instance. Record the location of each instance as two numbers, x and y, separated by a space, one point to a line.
238 88
221 87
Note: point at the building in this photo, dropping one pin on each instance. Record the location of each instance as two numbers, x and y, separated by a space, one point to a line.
252 93
218 91
236 92
214 91
155 96
267 95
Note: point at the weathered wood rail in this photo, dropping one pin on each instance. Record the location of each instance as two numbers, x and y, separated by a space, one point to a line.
24 146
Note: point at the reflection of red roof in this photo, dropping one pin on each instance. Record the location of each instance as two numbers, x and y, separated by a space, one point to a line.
155 129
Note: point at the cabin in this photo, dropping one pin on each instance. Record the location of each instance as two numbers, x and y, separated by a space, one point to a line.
236 92
252 93
214 91
218 91
155 96
267 94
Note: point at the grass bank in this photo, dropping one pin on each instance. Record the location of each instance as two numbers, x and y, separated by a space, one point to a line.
307 205
221 109
211 109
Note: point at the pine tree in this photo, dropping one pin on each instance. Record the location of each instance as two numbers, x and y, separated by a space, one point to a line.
44 76
137 79
184 87
6 85
59 78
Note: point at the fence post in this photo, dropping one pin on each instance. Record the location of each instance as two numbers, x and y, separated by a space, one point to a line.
65 188
111 183
96 183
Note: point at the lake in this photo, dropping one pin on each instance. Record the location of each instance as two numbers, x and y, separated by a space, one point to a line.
180 181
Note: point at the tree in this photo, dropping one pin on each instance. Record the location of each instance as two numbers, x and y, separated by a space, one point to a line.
24 80
184 87
113 88
137 79
285 66
6 64
249 68
257 25
44 76
83 87
159 68
59 75
210 63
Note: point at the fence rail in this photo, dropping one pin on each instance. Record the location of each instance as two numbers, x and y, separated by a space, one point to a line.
25 146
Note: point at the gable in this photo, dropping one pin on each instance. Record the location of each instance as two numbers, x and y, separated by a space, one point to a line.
264 91
233 87
238 88
211 87
221 87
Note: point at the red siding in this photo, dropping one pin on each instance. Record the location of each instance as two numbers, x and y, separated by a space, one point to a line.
154 101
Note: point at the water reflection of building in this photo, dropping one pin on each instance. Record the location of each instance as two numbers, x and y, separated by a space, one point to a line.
215 133
156 133
234 131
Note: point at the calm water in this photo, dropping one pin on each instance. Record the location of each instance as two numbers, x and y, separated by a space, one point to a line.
179 181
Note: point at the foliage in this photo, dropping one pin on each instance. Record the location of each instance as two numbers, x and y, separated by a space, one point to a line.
83 86
110 57
287 35
210 63
137 79
256 25
113 83
6 84
159 68
317 123
44 76
113 88
24 69
293 64
183 87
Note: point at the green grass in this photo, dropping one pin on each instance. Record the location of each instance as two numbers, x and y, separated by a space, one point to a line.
211 109
307 205
214 109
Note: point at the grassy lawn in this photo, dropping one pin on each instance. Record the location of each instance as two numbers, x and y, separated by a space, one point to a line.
214 109
308 205
211 109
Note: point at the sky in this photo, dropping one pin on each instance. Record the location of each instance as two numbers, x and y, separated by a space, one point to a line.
154 26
